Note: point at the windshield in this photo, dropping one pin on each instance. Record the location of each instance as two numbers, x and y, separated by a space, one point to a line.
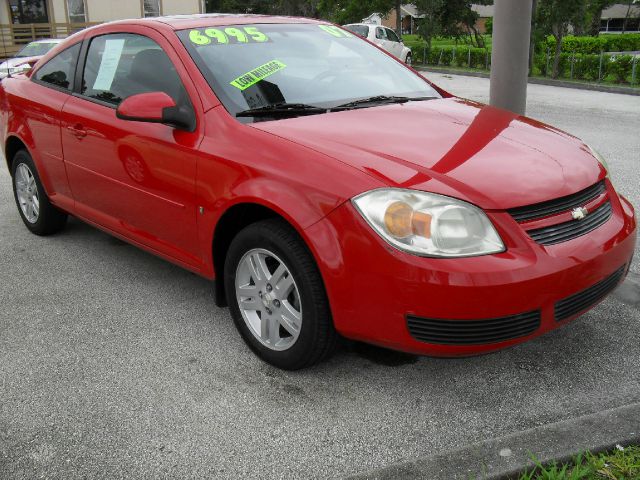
35 49
361 30
257 66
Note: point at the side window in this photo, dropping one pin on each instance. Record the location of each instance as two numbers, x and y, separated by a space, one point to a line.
59 71
123 64
392 35
380 34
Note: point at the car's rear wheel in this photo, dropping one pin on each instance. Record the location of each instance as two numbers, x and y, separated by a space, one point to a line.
36 211
277 297
409 59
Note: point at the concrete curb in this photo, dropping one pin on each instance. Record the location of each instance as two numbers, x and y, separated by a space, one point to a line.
541 81
506 457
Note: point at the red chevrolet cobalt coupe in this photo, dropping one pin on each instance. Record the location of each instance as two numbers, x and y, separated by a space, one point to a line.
325 186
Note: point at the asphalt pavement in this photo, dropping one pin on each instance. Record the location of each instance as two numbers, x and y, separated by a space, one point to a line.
114 363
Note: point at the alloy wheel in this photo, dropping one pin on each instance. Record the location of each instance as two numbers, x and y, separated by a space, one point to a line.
269 299
27 193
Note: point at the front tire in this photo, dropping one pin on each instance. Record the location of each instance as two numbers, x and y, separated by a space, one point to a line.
276 296
36 211
408 60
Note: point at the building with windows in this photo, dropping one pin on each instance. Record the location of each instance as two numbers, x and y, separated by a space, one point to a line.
22 21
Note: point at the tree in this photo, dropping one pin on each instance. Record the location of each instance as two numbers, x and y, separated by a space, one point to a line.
353 11
450 18
628 14
555 16
399 18
594 13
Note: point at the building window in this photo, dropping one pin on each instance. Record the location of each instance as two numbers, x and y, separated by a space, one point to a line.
77 11
150 8
28 11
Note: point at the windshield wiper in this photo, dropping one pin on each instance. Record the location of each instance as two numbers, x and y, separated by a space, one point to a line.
378 100
282 109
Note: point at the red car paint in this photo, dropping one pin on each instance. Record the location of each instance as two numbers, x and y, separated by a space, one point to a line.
165 190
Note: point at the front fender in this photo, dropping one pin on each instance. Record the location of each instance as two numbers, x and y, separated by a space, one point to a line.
240 164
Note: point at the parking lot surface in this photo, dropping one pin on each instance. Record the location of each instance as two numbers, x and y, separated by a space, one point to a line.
114 363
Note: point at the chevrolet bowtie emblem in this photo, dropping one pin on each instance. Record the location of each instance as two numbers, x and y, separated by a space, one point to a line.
579 213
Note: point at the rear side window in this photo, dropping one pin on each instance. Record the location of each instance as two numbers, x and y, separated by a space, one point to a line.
59 71
361 30
121 65
380 34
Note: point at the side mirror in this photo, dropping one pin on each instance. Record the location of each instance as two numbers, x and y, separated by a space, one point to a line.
156 107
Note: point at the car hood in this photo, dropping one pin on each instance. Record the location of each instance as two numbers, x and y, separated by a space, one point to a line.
485 155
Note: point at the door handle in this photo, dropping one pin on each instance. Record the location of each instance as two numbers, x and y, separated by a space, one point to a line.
77 131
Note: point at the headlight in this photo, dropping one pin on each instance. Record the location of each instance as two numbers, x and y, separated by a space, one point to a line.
600 159
428 224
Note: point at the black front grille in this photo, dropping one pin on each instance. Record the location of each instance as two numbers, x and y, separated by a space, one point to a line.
473 332
559 205
562 232
586 298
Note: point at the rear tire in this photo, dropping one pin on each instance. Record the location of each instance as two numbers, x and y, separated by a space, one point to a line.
276 296
36 211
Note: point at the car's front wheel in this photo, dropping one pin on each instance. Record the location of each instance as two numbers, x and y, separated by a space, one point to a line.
409 59
277 297
36 211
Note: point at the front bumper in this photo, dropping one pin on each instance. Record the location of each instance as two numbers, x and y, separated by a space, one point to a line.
375 290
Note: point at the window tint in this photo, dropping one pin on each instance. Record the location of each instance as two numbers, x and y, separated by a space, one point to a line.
392 35
77 11
361 30
380 34
151 8
60 69
121 65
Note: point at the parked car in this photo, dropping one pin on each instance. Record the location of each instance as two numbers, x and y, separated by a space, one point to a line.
261 152
383 37
27 57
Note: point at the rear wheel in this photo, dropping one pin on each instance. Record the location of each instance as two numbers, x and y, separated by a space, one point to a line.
276 296
36 211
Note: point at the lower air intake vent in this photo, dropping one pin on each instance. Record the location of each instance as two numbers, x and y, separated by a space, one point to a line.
592 295
473 332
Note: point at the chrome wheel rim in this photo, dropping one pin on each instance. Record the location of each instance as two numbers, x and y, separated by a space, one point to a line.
408 61
269 299
27 193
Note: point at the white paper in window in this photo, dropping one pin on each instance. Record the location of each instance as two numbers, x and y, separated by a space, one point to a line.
109 64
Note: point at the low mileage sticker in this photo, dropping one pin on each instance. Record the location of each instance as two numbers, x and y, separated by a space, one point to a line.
248 79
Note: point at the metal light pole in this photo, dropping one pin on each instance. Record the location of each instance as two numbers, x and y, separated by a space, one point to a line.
510 54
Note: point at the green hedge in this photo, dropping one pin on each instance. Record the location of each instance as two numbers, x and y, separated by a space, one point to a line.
616 68
579 66
454 56
602 43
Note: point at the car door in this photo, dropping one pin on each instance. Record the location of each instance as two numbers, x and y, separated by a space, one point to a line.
394 44
381 39
51 87
135 178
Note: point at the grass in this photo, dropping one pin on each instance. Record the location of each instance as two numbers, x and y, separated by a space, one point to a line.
618 464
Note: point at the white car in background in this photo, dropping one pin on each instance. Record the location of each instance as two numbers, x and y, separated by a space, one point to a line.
383 37
27 57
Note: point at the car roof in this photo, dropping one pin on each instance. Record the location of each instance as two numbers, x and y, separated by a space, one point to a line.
48 40
180 22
